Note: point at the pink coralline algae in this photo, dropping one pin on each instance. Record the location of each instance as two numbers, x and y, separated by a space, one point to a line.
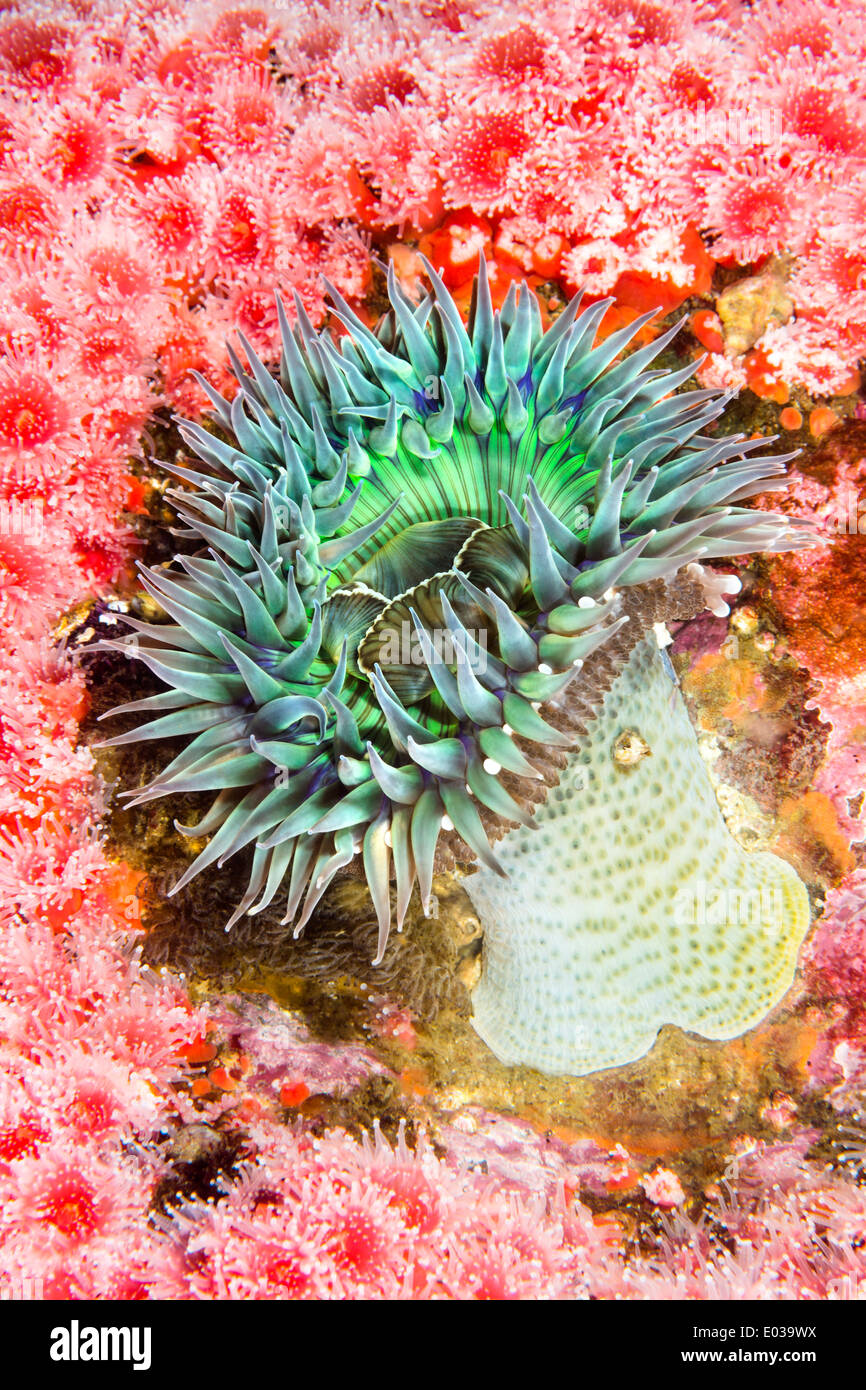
164 169
836 971
277 1048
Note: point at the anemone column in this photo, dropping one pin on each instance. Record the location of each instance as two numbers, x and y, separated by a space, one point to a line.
628 904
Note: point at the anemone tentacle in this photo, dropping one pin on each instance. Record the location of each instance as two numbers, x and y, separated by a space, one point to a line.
411 543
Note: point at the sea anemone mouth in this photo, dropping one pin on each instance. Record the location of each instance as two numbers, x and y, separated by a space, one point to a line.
424 551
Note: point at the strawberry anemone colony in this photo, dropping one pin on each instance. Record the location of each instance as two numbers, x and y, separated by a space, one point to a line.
416 627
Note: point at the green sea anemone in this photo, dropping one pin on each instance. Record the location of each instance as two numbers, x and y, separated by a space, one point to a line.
416 625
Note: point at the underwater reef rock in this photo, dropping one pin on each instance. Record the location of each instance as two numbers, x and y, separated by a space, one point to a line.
749 306
420 965
819 604
365 510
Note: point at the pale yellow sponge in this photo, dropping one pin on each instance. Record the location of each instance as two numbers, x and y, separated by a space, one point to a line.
628 904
